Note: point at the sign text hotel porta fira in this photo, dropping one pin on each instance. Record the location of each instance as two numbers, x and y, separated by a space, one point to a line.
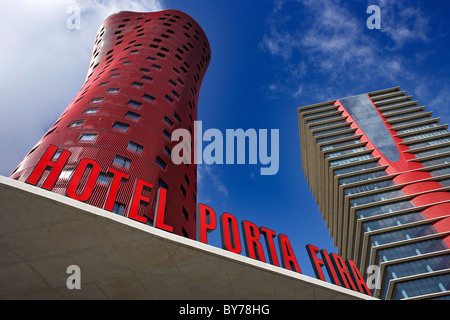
341 272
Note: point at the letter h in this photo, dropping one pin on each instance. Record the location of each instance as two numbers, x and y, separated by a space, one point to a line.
45 162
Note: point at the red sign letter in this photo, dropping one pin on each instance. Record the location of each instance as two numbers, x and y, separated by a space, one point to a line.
230 237
357 277
253 247
160 210
288 260
46 162
114 188
76 178
329 266
317 264
341 269
203 226
268 236
136 199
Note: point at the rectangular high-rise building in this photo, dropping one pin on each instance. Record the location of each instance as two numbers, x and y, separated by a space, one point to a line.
378 167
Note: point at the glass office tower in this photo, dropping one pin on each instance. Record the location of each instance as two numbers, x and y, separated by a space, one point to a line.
378 167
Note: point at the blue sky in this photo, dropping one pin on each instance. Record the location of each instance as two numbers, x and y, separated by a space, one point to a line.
268 58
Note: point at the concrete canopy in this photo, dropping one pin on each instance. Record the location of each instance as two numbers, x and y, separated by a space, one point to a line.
43 233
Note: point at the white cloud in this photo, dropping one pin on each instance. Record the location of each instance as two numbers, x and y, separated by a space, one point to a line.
403 23
299 91
437 97
332 40
279 44
210 184
44 64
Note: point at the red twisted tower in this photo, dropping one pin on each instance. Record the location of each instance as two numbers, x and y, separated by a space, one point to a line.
113 140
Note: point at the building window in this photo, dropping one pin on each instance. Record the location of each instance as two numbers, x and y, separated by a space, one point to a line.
162 184
51 131
369 187
87 136
168 98
186 179
32 150
375 197
96 100
183 190
168 121
122 161
356 168
132 115
56 122
134 103
112 90
362 177
147 78
103 178
90 110
430 152
121 125
137 84
425 135
339 144
350 160
167 134
185 214
168 151
65 174
57 154
344 152
76 123
119 208
148 97
161 163
324 132
177 117
135 147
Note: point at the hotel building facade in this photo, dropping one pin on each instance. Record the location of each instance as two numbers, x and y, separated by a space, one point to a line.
114 139
378 167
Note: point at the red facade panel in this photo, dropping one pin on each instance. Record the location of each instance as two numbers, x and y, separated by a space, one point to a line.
143 82
419 184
